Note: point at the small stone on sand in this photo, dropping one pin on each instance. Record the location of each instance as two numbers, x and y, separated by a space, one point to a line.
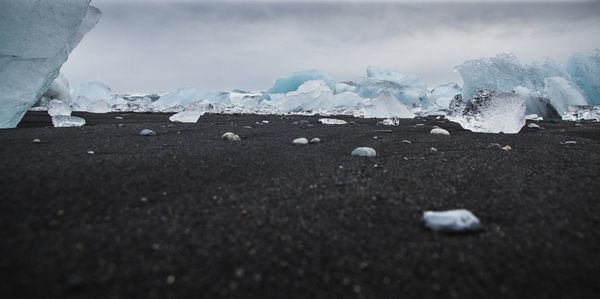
229 136
439 131
146 132
300 141
364 152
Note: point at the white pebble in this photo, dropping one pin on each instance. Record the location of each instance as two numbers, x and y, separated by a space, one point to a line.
570 142
265 121
300 141
90 152
364 152
451 221
229 136
406 141
146 132
433 150
439 131
533 126
332 121
36 141
315 140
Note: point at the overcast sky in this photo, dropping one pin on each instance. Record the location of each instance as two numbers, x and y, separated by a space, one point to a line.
150 46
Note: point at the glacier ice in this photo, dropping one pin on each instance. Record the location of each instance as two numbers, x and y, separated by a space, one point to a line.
63 121
444 94
562 94
332 121
587 112
584 69
92 91
385 105
536 104
407 89
191 114
186 96
59 89
489 112
293 82
34 46
58 107
451 221
98 106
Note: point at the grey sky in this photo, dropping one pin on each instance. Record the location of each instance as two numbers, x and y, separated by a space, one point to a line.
159 46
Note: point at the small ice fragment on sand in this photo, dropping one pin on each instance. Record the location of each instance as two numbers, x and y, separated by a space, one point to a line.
62 121
90 152
315 140
570 142
58 107
531 116
118 117
187 116
265 121
146 132
300 141
451 221
390 122
433 150
332 121
507 148
36 141
229 136
406 141
439 131
364 152
533 126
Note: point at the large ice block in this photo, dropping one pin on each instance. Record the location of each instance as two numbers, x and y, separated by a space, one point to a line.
186 96
294 81
59 89
584 69
92 91
385 106
562 94
489 112
407 89
37 37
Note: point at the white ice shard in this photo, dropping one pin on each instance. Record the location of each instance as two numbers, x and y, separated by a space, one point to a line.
536 104
584 69
444 94
562 94
59 89
37 37
293 82
186 96
344 87
80 104
439 131
62 121
300 99
99 106
489 112
385 106
576 113
407 89
451 221
300 141
332 121
58 107
191 114
364 152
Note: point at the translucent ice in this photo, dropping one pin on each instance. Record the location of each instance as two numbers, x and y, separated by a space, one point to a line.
98 106
186 96
584 69
92 91
576 113
451 221
536 104
191 114
332 121
394 76
385 106
37 37
489 112
59 89
407 89
444 94
294 81
562 94
58 107
61 121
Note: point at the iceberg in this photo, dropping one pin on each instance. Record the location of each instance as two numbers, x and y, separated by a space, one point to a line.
186 96
489 112
407 89
385 106
444 94
98 106
92 91
35 44
293 82
59 89
562 94
536 104
64 121
584 69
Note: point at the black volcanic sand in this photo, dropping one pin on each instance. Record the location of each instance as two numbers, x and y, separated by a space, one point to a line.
185 214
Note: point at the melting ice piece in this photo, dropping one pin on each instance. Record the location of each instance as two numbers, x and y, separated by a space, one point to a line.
451 221
536 104
407 89
300 141
439 131
187 116
332 121
364 152
61 121
186 96
390 122
147 132
315 140
575 113
562 94
386 106
80 104
59 89
37 37
489 112
58 107
98 106
584 69
444 94
294 81
93 91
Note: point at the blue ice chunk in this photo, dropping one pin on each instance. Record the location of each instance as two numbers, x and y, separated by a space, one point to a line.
186 96
396 77
295 80
444 93
408 89
584 69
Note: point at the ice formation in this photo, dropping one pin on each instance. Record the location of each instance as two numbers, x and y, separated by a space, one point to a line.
364 152
407 89
61 121
93 91
584 69
34 46
562 94
332 121
451 221
576 113
300 141
294 81
191 114
489 112
58 107
229 136
444 94
98 106
186 96
385 106
59 89
536 104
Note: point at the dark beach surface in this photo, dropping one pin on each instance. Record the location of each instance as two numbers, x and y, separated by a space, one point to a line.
185 214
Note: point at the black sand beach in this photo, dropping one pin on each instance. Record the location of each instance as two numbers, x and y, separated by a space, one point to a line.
185 214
